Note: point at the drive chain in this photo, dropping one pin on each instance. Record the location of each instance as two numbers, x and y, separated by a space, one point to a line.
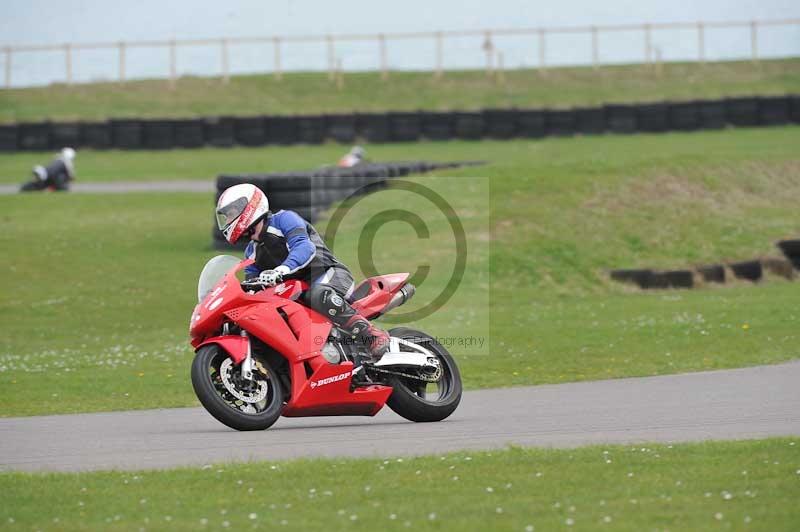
434 377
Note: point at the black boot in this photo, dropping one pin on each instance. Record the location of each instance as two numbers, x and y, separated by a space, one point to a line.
376 340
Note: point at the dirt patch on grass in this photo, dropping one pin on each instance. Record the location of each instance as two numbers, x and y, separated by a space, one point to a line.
716 189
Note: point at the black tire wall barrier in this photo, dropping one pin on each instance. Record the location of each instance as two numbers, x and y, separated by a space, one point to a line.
34 136
751 270
9 138
341 128
473 126
621 119
188 133
559 123
65 134
310 129
310 192
712 114
653 118
250 131
712 273
219 132
530 124
126 134
374 127
131 134
158 135
791 250
95 135
742 111
494 123
590 120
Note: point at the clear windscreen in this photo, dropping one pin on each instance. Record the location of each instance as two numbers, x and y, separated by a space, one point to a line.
213 272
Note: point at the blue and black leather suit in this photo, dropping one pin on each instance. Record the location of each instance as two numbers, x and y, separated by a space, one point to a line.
289 240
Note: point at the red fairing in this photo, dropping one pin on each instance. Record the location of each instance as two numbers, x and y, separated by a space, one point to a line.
382 289
235 346
209 314
297 333
327 393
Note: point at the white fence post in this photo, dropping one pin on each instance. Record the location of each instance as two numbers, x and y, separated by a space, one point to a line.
68 62
8 67
223 47
277 45
384 59
701 43
542 49
331 59
488 47
754 40
173 63
439 55
121 47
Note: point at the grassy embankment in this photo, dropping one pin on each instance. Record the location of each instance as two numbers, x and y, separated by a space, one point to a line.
709 486
98 288
313 93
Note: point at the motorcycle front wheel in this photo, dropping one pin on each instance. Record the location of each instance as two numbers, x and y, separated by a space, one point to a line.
417 400
233 400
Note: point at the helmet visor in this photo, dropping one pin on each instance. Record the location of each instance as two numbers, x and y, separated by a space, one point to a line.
227 215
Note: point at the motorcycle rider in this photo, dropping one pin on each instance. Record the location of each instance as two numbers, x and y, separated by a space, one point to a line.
353 158
284 245
57 174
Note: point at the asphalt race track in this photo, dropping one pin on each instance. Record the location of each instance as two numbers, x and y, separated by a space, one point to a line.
732 404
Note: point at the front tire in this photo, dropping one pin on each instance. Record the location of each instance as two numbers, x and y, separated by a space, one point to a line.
411 398
211 389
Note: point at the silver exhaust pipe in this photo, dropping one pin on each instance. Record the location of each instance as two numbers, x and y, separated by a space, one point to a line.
404 294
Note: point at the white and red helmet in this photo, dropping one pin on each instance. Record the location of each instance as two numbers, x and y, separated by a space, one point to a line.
239 208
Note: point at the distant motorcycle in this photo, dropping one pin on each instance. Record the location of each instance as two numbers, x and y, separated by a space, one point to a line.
260 354
357 155
56 176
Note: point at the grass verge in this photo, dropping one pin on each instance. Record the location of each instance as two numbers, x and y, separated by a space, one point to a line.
362 92
746 485
98 288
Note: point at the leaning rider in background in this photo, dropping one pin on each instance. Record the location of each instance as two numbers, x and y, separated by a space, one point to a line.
284 246
56 175
353 158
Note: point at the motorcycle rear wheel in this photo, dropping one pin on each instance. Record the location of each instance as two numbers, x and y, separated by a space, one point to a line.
222 404
410 397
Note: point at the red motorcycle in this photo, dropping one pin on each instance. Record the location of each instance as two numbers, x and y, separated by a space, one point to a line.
261 354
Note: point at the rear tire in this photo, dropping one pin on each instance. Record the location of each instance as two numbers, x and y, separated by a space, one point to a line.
221 404
409 397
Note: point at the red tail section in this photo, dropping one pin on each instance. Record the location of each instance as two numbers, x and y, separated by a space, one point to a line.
381 290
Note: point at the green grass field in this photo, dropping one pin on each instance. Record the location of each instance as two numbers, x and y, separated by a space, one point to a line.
752 485
98 288
313 93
